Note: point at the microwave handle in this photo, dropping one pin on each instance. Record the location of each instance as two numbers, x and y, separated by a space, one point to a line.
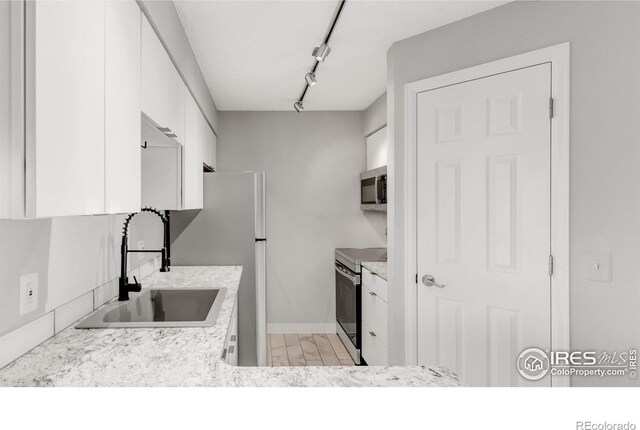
379 196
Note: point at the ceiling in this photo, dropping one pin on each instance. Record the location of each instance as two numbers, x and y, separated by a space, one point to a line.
254 54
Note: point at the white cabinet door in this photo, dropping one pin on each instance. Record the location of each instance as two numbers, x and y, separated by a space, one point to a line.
377 145
204 139
375 283
122 107
213 148
374 324
374 313
6 99
12 132
368 345
65 108
380 320
206 143
192 184
163 91
374 351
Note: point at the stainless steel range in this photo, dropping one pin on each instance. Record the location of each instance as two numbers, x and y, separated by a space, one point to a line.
349 294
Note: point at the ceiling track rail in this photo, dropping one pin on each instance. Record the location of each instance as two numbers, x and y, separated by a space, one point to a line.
299 104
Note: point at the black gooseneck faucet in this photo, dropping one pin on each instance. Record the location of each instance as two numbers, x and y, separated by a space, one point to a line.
124 285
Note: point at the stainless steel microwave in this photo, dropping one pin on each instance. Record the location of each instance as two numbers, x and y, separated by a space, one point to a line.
373 190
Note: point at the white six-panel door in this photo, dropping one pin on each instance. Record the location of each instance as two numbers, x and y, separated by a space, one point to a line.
483 224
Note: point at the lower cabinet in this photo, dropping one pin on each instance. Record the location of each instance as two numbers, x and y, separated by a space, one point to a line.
374 351
374 320
230 351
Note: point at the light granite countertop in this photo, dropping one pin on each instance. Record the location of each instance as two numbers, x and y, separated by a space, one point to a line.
377 267
185 356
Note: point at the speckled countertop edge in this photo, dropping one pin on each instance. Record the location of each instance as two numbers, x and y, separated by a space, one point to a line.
377 267
186 356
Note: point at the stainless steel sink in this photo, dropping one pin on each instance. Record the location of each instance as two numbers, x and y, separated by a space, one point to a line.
160 308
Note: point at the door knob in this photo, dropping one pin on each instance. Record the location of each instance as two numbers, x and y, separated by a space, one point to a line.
430 281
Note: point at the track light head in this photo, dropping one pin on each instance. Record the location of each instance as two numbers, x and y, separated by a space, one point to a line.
298 106
321 52
310 78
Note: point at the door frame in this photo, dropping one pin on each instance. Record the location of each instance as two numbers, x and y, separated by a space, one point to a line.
558 56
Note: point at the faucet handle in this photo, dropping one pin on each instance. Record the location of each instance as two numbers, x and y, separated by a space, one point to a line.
136 286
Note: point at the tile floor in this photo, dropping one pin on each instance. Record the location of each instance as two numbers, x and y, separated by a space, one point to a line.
317 349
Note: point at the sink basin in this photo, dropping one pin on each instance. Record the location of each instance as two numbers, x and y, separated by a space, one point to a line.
160 308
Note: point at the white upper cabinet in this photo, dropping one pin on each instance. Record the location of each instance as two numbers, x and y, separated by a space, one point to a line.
70 108
198 150
7 110
377 145
74 79
213 148
122 106
192 184
163 91
65 108
204 140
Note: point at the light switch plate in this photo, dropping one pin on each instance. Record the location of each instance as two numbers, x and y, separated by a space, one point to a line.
28 293
599 266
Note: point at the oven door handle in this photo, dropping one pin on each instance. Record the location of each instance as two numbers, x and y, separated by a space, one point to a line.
355 279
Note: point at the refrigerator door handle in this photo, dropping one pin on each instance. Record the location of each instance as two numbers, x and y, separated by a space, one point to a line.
261 239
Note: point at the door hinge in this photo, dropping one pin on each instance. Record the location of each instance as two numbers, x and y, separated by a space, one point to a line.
416 278
551 108
551 265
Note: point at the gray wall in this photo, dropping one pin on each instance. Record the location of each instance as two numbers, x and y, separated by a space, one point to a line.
312 163
375 116
165 21
72 256
605 150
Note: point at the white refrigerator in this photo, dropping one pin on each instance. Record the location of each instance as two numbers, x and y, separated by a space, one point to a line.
230 230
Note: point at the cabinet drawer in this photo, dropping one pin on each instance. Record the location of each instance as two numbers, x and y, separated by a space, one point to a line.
373 350
368 306
368 346
380 321
374 314
375 283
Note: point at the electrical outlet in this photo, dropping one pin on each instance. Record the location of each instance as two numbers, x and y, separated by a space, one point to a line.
141 244
28 293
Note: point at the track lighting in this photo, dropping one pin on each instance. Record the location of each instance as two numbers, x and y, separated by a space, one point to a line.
310 78
321 52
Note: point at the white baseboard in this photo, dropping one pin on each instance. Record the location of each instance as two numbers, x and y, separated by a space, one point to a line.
301 327
24 339
71 312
